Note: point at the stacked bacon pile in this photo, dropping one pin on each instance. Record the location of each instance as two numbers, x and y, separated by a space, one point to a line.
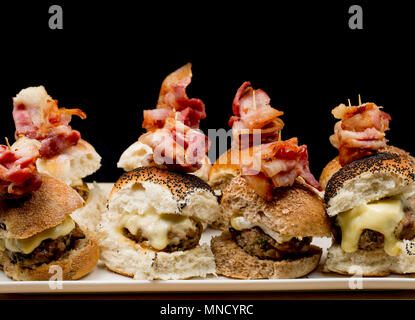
173 134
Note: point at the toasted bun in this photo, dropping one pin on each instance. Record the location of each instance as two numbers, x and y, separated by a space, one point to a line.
295 211
89 215
331 168
232 261
126 257
73 164
75 264
224 169
140 155
166 192
43 209
369 262
382 175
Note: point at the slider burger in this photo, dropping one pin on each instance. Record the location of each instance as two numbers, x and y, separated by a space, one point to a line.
360 132
63 153
175 122
274 211
36 230
371 205
154 223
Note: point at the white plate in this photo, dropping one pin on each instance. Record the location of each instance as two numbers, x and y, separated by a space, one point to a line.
102 280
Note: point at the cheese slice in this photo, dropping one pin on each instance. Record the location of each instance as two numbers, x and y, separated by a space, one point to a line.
156 227
381 216
26 246
239 223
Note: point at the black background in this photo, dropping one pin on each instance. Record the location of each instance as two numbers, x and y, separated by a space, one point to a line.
110 60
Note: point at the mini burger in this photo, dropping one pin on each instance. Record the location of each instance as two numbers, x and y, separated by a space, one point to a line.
63 153
272 216
154 223
371 205
36 230
174 122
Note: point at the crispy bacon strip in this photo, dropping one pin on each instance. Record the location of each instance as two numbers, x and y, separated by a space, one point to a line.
360 131
173 98
253 115
177 146
18 173
276 164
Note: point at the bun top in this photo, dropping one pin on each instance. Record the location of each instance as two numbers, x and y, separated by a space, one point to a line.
43 209
164 192
225 168
295 211
368 179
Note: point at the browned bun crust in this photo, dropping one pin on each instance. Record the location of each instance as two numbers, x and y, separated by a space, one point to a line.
380 162
224 169
43 209
232 261
399 151
294 211
331 168
75 264
179 184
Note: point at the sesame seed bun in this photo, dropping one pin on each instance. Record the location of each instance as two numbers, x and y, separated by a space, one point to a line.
43 209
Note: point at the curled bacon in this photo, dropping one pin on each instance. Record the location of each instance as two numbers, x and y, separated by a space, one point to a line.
37 116
18 172
254 120
276 164
360 131
172 99
177 146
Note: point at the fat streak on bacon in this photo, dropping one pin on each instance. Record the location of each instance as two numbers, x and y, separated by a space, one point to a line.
177 146
173 99
37 116
254 120
360 131
276 164
18 172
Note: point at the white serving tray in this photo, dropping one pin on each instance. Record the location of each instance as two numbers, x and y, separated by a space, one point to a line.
101 280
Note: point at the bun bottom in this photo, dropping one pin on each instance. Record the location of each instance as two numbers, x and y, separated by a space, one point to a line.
371 263
75 264
232 261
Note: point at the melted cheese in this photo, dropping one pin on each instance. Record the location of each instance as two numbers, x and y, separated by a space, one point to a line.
239 223
381 216
26 246
155 227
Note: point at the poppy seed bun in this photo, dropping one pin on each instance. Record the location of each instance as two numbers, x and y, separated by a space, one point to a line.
155 190
141 155
232 261
370 262
334 165
75 264
368 179
224 169
295 211
72 164
45 208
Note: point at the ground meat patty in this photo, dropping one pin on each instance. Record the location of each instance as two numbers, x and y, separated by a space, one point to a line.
178 241
48 250
255 242
371 240
83 191
406 227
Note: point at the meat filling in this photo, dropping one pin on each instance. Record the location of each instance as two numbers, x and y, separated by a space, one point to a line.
178 240
49 250
255 242
83 191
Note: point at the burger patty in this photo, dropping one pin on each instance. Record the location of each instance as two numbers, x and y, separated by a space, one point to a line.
178 240
371 240
83 190
49 250
255 242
